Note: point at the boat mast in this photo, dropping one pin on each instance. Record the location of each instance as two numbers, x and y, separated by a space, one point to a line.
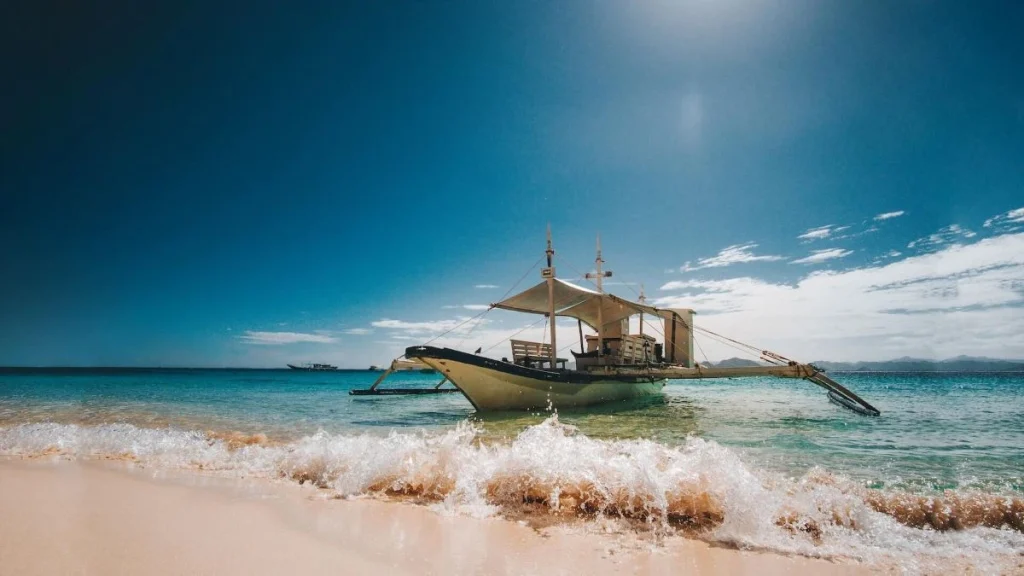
599 276
549 274
643 300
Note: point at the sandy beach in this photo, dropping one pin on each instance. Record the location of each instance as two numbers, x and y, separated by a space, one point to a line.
93 518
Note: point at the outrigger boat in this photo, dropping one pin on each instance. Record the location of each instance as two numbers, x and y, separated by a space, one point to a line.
612 365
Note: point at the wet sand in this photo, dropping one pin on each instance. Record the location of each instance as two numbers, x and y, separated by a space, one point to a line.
93 518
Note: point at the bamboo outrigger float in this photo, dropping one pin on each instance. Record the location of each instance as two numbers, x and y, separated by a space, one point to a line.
612 365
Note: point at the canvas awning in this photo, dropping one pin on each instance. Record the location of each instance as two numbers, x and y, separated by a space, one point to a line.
575 302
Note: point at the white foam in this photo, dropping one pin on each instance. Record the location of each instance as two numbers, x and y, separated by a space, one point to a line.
554 464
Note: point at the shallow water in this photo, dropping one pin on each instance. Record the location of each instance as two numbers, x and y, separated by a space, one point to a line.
756 462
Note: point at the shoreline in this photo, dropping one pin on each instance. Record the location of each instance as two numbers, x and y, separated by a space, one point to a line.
100 518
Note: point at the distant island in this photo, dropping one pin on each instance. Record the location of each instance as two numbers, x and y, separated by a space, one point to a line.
905 364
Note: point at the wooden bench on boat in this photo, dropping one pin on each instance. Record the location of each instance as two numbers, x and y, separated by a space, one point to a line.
533 354
618 350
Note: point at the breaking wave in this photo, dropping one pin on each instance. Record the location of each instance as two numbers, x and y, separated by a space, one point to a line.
552 471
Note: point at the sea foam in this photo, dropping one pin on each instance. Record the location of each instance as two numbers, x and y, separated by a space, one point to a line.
699 487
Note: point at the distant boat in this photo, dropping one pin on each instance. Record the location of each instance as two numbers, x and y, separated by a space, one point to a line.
312 367
412 366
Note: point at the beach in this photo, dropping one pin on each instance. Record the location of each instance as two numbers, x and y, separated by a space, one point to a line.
223 471
64 517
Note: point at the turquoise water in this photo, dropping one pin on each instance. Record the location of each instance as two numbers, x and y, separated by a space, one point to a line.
937 431
934 483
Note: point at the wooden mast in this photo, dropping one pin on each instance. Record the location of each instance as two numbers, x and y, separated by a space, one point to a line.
643 300
549 274
599 276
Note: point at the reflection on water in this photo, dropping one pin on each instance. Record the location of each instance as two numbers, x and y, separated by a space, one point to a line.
661 418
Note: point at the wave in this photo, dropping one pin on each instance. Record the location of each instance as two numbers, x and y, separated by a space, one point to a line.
551 470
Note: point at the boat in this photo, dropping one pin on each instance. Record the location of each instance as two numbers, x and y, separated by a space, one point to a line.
313 367
405 366
612 365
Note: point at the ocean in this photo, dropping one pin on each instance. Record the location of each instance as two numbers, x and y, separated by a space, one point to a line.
757 463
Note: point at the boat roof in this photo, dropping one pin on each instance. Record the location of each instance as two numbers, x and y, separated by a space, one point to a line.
577 302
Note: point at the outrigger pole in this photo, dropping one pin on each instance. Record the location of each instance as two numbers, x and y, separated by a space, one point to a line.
837 393
374 391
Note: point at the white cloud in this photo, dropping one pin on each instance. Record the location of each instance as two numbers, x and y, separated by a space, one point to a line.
1012 217
491 335
358 331
888 215
819 233
417 327
943 236
278 338
832 232
736 254
887 256
466 307
424 330
485 286
959 299
819 256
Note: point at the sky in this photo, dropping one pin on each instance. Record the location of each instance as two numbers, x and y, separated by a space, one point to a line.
206 184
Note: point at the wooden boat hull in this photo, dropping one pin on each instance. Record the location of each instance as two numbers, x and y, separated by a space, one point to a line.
491 385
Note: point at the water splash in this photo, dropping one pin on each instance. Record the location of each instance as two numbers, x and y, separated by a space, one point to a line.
552 469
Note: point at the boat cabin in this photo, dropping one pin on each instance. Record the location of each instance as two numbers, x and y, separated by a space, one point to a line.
608 316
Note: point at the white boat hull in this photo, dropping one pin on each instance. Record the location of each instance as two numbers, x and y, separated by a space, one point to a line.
489 389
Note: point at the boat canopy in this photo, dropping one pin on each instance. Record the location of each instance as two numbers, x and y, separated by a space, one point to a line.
575 302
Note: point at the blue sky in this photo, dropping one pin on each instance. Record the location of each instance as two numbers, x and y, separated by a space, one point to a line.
191 184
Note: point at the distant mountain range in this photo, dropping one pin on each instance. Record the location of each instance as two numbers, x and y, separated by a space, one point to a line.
736 363
905 364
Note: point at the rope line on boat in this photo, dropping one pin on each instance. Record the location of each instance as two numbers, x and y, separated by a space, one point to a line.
752 348
743 347
699 347
457 326
517 333
521 278
582 275
483 313
503 296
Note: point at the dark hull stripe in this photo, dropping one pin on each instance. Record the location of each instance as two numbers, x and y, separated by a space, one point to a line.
566 376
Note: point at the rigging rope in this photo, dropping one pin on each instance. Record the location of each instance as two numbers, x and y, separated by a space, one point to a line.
753 348
459 325
520 331
503 296
521 278
483 313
